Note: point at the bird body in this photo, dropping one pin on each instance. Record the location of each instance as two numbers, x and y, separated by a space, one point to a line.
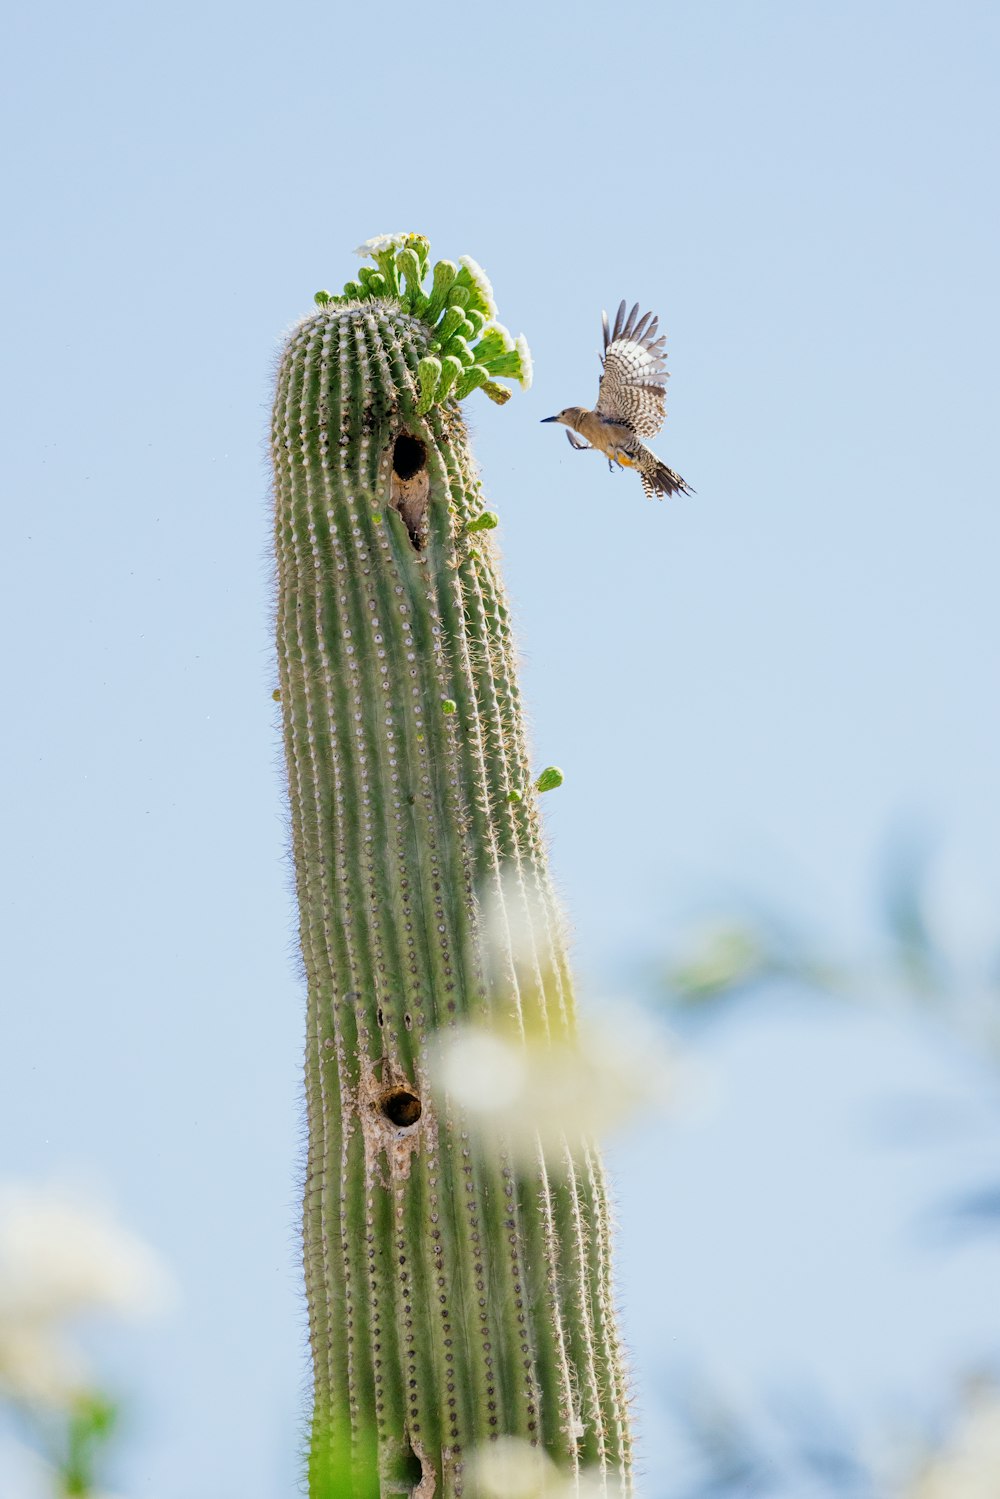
631 403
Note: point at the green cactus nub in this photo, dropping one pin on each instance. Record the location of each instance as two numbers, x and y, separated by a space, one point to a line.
550 778
498 394
488 520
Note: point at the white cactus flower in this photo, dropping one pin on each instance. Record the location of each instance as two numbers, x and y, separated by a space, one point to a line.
527 367
379 243
501 339
482 283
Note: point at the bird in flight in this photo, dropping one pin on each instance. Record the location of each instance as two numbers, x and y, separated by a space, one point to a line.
631 403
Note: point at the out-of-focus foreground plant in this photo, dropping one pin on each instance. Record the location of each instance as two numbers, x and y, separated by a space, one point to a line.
64 1260
924 970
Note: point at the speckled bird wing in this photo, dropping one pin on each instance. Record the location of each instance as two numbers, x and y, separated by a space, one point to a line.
632 386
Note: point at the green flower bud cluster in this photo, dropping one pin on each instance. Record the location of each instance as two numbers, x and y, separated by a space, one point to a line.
469 349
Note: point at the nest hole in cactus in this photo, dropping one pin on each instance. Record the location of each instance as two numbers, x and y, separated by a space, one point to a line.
409 456
400 1107
410 488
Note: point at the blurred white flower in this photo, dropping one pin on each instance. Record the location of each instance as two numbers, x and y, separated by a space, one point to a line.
969 1467
537 1087
516 921
25 1474
512 1469
61 1256
38 1364
525 1076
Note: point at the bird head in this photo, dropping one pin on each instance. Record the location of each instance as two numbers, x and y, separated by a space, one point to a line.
569 418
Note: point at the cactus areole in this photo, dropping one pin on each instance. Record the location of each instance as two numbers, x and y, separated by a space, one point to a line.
457 1292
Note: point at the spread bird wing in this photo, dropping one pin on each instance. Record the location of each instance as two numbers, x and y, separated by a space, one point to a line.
632 387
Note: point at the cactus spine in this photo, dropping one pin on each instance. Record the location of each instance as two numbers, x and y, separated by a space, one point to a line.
456 1292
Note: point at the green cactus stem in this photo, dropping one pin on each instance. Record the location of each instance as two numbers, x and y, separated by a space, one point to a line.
456 1292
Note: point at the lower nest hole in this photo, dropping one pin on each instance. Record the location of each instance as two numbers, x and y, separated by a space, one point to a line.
400 1107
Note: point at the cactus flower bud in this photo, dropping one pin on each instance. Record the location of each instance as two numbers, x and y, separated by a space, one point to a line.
486 520
550 778
475 375
452 369
498 394
428 376
445 272
449 324
458 346
409 267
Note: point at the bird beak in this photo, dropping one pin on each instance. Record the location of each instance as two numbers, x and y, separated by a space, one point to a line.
550 418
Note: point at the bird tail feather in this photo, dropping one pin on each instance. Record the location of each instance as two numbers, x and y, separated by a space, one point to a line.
659 480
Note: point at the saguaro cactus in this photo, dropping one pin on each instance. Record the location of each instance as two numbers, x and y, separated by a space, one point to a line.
457 1290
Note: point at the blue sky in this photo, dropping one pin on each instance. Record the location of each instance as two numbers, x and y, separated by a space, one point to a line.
747 690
